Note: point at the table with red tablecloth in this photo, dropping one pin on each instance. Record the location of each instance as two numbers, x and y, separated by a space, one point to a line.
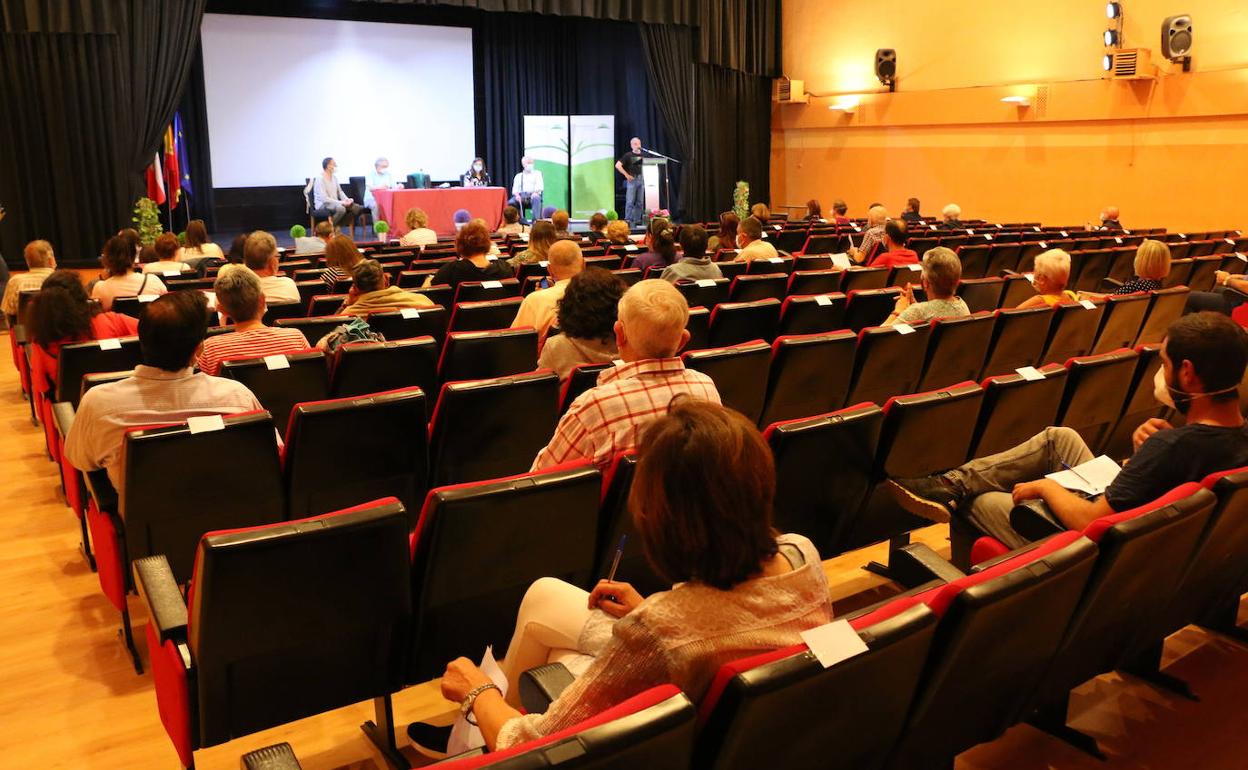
440 204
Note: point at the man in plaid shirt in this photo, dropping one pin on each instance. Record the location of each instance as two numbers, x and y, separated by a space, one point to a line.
607 419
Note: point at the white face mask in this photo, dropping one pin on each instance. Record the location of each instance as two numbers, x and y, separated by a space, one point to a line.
1165 393
528 166
1161 391
383 170
477 167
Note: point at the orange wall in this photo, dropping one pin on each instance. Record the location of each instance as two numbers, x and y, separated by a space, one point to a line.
1170 152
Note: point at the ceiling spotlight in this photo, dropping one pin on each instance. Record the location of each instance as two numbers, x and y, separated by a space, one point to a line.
1107 62
1111 37
1113 10
1021 101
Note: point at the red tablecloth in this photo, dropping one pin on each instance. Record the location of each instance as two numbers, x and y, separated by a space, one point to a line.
440 205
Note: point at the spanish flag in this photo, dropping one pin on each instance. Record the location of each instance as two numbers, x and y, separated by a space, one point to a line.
173 177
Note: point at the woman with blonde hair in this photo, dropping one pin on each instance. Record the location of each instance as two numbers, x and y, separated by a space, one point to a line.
760 212
1052 272
1152 265
541 237
617 232
418 232
341 257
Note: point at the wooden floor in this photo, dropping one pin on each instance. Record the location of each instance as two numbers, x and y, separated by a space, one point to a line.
69 697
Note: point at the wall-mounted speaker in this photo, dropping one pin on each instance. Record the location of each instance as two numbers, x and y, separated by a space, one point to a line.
886 67
1176 37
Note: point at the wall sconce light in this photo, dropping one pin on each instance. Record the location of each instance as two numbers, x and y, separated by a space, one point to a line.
1021 102
846 106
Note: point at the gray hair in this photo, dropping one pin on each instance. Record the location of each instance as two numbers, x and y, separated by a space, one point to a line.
942 270
380 160
368 276
239 294
952 211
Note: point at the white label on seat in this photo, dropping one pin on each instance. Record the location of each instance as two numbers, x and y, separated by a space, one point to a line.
172 273
631 247
1037 229
1088 304
778 227
823 299
409 312
1242 256
914 268
491 284
833 642
1125 231
857 229
776 260
1065 234
205 424
931 227
998 227
1230 241
1044 245
1030 373
904 328
112 343
148 297
988 236
969 231
491 258
523 236
1117 240
822 221
1183 236
544 263
278 361
705 283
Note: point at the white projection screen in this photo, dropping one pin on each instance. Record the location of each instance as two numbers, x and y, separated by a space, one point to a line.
284 93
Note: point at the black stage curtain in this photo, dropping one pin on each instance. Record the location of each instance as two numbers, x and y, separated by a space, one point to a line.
200 203
89 88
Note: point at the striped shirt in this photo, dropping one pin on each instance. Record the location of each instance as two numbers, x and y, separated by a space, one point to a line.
253 343
606 420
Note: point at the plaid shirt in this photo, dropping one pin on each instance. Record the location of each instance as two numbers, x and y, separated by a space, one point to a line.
872 240
606 420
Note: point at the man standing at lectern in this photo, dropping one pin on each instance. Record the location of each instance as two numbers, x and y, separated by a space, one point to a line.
629 165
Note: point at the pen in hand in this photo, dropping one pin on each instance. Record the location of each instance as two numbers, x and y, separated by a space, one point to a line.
1078 475
615 563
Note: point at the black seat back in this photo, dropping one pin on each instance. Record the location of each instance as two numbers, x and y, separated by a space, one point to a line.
732 323
485 315
361 368
78 359
1164 309
484 291
957 350
739 372
326 304
1015 409
296 619
415 322
887 363
869 307
981 294
815 281
580 379
615 521
1017 339
707 292
807 314
1073 331
314 327
278 390
1016 291
1124 314
1097 388
1140 405
753 287
809 375
485 354
864 278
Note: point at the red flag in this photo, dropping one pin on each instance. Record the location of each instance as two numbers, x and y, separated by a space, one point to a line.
173 177
155 181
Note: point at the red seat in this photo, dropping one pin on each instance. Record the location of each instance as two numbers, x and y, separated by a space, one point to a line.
1120 325
1097 388
615 520
809 375
732 323
1017 339
485 354
758 286
360 368
1015 409
956 350
412 323
483 291
484 315
739 372
707 292
582 378
1073 331
887 362
1140 404
278 390
801 314
314 327
868 307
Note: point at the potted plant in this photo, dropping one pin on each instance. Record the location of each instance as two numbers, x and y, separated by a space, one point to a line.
381 229
298 231
741 199
146 220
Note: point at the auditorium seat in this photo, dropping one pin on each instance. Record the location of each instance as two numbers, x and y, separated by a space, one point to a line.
1180 272
188 282
758 286
1164 309
1097 387
1002 257
483 291
904 275
814 282
1017 290
314 327
739 372
956 350
1016 408
310 288
411 279
160 514
410 323
131 306
629 276
1121 265
823 472
479 355
812 314
1017 339
731 269
809 374
791 239
615 520
394 426
289 309
824 242
812 263
768 265
732 323
278 390
887 362
981 294
1140 404
596 257
1093 269
250 651
580 379
782 708
707 292
484 315
441 296
861 278
1120 325
1072 331
869 307
361 368
699 328
974 260
487 428
524 527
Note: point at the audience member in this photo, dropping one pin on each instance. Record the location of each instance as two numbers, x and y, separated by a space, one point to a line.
371 292
131 236
418 232
472 245
1203 358
702 503
660 247
597 228
542 236
1109 219
911 213
1050 276
951 217
942 271
618 232
511 222
814 212
240 295
317 242
895 252
198 247
1227 297
147 254
760 212
167 263
537 309
260 256
1152 266
606 420
235 255
694 264
750 242
586 319
164 387
40 262
119 278
560 220
726 237
341 257
841 209
872 237
60 314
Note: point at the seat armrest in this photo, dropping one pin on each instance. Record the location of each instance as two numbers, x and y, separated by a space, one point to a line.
1109 284
539 687
1034 521
19 333
477 752
873 607
159 591
63 417
101 489
987 563
1236 293
916 563
278 757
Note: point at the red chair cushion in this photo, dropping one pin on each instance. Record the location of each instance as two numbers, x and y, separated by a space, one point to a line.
1208 481
939 598
986 548
173 698
109 560
1097 529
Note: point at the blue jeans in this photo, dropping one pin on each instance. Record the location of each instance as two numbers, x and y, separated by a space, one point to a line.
534 201
635 200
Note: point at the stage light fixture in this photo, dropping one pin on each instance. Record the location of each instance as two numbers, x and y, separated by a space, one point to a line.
1111 38
1107 62
1113 10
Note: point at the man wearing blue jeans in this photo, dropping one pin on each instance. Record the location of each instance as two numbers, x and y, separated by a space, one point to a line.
629 165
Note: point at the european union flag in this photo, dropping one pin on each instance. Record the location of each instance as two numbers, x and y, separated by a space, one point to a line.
184 162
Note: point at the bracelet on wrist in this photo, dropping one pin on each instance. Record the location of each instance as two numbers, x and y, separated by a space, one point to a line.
470 700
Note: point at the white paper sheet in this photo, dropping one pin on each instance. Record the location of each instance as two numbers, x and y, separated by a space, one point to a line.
464 736
1091 477
833 642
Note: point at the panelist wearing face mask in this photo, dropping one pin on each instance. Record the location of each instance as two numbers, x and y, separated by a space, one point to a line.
477 176
1203 358
526 191
379 178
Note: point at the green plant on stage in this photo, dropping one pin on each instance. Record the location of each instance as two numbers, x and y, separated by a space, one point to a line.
381 228
147 221
612 215
298 231
741 199
182 238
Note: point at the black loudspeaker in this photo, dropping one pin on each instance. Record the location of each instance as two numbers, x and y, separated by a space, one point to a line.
1176 37
886 65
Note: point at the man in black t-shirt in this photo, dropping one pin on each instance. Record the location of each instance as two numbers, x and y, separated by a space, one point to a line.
1203 360
629 165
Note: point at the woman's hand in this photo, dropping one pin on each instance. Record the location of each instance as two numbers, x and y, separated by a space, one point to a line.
460 678
904 300
614 598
